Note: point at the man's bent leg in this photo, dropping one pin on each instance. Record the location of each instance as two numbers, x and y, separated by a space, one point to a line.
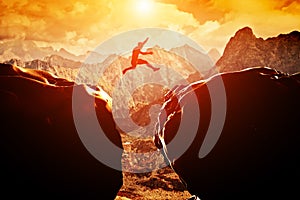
140 61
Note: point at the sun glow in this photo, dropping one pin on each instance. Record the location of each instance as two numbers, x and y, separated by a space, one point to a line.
144 6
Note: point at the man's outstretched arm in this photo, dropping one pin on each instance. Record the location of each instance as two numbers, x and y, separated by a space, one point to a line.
145 40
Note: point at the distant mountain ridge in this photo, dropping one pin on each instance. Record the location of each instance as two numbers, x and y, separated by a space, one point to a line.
245 50
27 50
196 57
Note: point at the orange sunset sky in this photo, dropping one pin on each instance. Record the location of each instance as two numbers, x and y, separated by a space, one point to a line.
81 25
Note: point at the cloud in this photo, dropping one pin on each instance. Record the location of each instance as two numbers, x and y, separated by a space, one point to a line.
78 24
219 20
51 21
202 10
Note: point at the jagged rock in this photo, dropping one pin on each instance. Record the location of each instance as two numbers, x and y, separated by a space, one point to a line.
246 50
56 60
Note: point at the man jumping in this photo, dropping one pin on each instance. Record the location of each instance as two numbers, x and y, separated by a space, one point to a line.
136 61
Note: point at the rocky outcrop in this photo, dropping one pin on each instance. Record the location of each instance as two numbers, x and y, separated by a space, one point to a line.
256 154
246 50
41 149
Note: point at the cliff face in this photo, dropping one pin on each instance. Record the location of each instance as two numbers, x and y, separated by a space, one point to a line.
40 147
246 50
256 153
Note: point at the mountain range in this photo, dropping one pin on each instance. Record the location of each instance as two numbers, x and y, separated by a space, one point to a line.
243 50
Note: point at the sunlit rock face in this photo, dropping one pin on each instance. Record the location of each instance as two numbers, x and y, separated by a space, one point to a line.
246 50
42 154
257 153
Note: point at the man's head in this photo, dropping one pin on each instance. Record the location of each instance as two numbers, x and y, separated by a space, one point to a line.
140 44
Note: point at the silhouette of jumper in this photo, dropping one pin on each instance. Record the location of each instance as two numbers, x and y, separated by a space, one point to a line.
136 61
